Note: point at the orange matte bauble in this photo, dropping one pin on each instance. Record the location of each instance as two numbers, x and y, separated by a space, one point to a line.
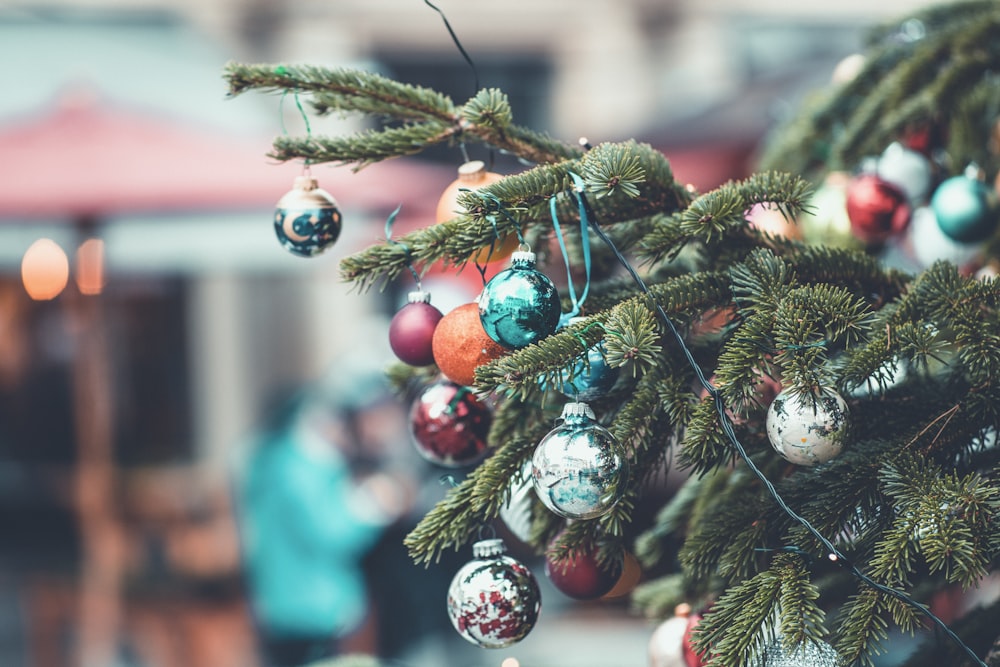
472 176
460 344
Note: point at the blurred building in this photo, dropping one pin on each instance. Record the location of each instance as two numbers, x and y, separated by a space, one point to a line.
205 319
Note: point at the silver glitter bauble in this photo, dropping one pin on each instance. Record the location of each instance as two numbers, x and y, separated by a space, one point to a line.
579 469
806 654
493 600
806 429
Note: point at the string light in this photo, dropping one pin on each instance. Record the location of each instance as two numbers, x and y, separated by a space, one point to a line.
834 554
44 270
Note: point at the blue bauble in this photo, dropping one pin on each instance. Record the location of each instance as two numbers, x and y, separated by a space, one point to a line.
520 305
307 219
590 378
965 209
579 469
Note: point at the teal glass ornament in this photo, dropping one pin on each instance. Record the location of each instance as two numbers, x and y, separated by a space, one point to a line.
588 378
520 305
307 219
579 469
965 208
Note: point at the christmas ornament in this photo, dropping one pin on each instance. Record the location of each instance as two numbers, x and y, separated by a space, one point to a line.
473 176
825 222
876 209
449 425
691 657
307 219
411 331
629 579
966 209
928 242
908 170
589 378
807 654
807 429
460 345
773 222
579 469
493 600
581 576
519 305
665 643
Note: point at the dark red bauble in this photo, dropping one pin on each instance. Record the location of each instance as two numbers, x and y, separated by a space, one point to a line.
582 577
411 331
461 345
691 657
449 425
876 209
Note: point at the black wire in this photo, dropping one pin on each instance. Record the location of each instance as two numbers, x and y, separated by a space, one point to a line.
727 428
454 37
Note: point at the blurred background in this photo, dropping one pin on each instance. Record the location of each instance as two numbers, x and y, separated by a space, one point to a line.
152 329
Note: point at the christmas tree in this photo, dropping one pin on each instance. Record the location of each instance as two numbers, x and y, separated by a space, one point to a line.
835 408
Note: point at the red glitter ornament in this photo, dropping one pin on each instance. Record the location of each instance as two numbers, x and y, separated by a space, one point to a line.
460 344
411 331
449 425
877 209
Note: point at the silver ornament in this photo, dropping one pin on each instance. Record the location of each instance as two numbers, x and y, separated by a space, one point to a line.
806 654
493 600
806 429
579 468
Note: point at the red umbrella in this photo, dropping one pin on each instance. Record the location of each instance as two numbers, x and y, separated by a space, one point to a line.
87 159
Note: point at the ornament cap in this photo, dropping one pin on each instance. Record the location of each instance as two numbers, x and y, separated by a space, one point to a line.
577 410
306 194
489 548
472 171
418 296
523 257
975 172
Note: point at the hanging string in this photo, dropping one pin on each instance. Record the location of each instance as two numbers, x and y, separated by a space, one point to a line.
834 554
408 255
458 44
585 242
472 66
305 120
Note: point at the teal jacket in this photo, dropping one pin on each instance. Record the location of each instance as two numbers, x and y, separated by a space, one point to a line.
305 529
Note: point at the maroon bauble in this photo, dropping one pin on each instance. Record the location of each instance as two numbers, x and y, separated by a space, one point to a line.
582 577
691 657
412 330
876 209
449 424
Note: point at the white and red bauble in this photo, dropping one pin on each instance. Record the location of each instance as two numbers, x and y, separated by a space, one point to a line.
665 644
411 331
493 600
449 425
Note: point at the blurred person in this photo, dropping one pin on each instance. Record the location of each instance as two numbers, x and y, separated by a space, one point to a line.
315 497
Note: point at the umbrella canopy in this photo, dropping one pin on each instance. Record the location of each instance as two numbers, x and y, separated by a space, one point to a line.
88 159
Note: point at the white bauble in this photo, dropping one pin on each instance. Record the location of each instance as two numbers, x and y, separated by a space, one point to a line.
666 643
806 429
908 170
929 244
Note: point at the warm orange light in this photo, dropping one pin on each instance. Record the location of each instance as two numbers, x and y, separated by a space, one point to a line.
44 270
90 266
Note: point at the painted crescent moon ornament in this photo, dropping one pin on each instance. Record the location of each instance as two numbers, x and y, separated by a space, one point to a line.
307 219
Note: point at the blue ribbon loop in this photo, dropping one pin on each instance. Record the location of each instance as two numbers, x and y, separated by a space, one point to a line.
577 303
